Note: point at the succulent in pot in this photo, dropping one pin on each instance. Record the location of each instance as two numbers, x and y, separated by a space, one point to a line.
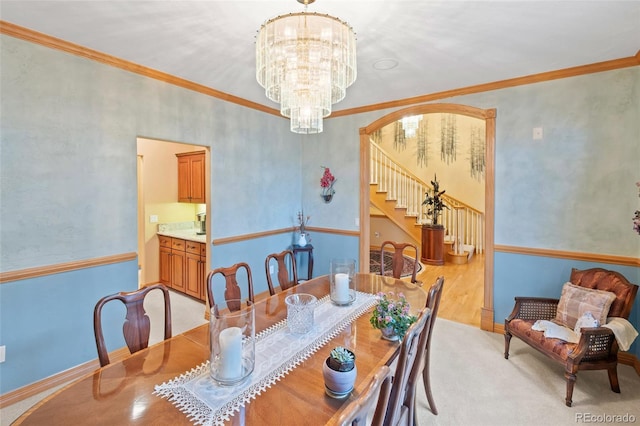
339 372
341 359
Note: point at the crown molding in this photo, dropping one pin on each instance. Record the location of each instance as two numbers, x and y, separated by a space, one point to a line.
26 34
75 49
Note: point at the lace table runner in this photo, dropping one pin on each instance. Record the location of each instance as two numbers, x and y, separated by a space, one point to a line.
277 353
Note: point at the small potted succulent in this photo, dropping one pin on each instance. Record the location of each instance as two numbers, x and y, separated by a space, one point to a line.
339 372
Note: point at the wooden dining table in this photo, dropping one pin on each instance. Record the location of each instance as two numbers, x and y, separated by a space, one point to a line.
122 393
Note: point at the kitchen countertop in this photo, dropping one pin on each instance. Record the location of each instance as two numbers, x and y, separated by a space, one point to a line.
185 234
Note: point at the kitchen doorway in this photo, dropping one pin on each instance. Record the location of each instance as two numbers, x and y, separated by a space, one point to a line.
157 185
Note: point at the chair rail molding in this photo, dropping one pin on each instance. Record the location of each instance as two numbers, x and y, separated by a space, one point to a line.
40 271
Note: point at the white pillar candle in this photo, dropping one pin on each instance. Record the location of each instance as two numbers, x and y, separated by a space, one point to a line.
230 353
341 288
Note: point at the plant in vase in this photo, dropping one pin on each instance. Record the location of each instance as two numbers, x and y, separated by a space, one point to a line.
391 316
326 183
339 372
434 202
303 236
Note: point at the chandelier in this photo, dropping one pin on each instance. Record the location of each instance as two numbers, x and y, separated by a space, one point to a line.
305 61
410 125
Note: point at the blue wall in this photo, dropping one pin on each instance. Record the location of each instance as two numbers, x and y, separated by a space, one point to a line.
47 322
68 176
69 127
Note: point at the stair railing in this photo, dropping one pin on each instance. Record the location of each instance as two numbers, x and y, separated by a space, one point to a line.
408 191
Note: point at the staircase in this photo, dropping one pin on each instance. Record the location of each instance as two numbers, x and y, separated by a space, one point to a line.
399 194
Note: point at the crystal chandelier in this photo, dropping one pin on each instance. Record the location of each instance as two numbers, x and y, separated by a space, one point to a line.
305 61
410 125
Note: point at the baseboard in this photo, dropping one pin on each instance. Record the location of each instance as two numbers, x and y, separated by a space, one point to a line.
623 357
74 373
629 359
486 320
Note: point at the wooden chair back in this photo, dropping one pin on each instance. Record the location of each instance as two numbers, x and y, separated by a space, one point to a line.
605 280
287 276
433 303
398 411
232 292
397 263
421 365
377 391
137 326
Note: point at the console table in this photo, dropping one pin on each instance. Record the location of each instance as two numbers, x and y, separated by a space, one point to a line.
308 249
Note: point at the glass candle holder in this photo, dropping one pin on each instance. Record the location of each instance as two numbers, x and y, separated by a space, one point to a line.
232 343
300 307
342 278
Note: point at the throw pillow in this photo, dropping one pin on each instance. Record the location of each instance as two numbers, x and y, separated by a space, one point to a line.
576 300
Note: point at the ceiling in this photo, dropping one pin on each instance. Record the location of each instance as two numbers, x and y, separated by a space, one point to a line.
438 45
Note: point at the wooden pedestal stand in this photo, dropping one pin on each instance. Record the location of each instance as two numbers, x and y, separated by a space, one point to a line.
432 245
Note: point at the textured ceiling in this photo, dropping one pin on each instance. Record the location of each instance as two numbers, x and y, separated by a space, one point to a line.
439 45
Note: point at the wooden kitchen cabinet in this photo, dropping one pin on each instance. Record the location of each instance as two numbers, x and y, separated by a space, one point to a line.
172 262
182 266
191 179
178 259
196 258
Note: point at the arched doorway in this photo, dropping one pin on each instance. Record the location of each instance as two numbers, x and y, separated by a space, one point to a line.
488 115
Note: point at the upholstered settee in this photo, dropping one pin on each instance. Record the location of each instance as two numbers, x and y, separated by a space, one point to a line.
596 347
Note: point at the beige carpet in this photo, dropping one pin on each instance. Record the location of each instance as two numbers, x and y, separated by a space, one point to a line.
472 383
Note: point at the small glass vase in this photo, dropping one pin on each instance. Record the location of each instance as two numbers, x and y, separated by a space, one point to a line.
388 333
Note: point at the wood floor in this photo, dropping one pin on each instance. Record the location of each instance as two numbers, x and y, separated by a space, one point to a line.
463 290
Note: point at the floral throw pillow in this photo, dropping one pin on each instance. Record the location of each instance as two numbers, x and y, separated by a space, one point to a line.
575 301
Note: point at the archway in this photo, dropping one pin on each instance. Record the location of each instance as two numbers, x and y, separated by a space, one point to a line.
489 116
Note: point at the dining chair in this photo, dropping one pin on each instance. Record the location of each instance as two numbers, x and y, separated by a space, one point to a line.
287 276
422 365
232 292
400 408
397 261
377 391
137 326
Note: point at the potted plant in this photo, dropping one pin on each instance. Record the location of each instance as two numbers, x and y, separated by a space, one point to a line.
391 316
433 233
339 372
434 202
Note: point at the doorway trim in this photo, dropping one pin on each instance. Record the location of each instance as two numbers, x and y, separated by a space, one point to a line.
489 117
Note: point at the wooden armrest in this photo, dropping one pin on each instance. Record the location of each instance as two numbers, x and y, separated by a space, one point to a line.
534 308
596 343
